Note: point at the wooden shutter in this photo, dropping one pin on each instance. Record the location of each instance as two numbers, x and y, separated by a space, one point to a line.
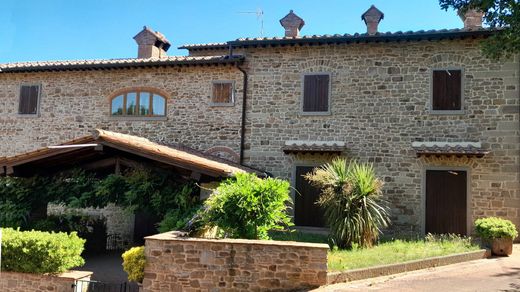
447 94
222 92
316 93
28 102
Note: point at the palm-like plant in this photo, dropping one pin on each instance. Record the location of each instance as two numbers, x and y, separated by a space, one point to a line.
351 197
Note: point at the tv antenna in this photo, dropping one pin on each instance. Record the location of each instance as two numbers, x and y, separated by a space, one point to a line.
259 17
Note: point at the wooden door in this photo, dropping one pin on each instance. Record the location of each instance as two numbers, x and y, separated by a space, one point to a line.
306 212
446 205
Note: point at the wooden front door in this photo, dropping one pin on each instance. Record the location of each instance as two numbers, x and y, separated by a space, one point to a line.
306 212
446 205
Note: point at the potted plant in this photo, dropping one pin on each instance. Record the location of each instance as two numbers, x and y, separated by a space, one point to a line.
133 264
498 233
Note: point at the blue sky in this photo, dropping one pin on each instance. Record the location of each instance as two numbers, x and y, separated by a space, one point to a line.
91 29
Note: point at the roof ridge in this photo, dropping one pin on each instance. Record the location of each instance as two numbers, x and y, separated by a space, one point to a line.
395 34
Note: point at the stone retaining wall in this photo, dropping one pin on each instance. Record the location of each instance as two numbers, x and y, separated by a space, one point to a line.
23 282
175 263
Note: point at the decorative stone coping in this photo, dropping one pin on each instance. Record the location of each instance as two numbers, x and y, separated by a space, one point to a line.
385 270
76 275
181 236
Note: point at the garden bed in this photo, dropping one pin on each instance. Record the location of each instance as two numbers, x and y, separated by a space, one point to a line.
385 253
397 251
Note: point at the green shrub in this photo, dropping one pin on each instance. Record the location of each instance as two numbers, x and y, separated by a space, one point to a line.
177 219
133 263
248 207
351 196
40 252
493 227
19 197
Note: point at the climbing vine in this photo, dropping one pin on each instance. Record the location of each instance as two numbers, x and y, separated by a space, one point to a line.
137 190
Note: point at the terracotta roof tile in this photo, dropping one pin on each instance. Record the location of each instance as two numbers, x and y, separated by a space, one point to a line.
314 146
348 38
115 63
177 155
449 148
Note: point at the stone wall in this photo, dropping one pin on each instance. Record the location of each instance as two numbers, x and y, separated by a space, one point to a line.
192 264
23 282
380 99
73 103
118 221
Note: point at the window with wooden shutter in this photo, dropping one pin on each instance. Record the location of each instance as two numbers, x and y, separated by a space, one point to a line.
316 93
447 90
28 102
222 93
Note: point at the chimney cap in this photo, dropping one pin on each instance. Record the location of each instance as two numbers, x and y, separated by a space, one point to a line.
373 13
292 19
147 31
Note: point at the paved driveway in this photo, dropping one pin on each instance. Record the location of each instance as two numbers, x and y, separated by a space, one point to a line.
494 274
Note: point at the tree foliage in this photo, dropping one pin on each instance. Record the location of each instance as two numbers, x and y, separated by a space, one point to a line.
247 206
501 14
351 197
18 197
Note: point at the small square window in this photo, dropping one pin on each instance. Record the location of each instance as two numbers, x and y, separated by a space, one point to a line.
316 93
222 93
446 91
29 98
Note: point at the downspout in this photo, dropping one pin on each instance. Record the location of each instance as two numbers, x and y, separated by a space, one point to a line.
243 124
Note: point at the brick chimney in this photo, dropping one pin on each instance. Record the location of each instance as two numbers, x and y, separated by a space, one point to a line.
472 19
372 17
152 44
292 24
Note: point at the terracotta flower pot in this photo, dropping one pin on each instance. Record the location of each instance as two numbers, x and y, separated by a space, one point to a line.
502 246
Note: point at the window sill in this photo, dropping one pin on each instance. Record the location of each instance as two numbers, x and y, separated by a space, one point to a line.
327 113
438 112
129 118
213 104
28 116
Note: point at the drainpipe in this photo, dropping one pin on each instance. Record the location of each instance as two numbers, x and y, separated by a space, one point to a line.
244 105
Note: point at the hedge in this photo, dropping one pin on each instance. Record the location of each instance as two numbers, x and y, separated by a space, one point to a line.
40 252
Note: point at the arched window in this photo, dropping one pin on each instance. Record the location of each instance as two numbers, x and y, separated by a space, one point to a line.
142 103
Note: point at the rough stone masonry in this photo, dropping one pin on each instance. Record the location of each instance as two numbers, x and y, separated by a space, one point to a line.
379 104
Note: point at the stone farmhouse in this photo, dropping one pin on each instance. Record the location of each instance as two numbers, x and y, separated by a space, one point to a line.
439 121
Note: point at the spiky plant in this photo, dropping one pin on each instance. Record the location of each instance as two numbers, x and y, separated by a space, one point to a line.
351 197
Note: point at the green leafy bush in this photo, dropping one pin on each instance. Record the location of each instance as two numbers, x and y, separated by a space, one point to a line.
91 228
40 252
177 219
162 194
19 197
133 263
351 196
248 207
493 227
